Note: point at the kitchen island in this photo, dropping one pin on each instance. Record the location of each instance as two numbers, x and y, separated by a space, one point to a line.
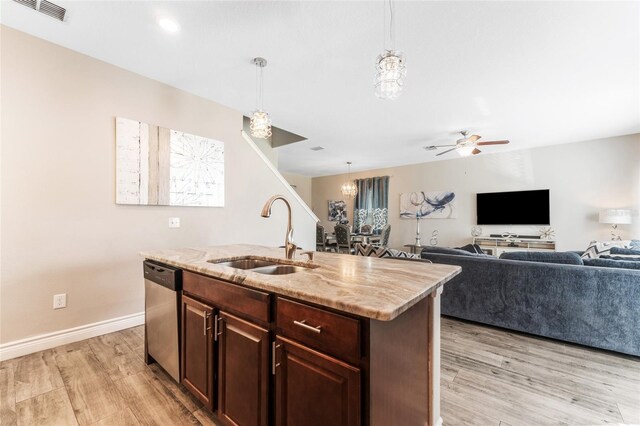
340 340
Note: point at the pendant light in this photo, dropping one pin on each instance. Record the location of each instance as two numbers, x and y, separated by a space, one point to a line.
260 124
349 188
390 66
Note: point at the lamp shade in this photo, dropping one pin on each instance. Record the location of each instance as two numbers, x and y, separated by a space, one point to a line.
615 216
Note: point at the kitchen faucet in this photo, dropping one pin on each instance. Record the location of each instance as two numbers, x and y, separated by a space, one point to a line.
289 246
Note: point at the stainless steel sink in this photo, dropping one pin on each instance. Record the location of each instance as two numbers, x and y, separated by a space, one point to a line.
262 266
278 269
245 263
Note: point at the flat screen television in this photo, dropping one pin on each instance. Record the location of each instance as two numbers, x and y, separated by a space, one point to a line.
513 208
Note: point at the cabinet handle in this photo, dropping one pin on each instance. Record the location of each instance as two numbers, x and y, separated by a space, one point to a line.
217 330
205 317
303 324
273 358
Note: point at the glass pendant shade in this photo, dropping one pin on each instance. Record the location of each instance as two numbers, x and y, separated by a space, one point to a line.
390 73
260 124
349 189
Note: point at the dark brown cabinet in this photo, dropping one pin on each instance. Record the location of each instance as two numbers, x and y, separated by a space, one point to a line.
313 389
300 370
243 372
198 350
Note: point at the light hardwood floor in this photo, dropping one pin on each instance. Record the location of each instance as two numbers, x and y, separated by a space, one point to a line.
489 377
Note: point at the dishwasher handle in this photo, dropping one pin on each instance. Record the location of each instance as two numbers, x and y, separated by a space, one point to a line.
163 275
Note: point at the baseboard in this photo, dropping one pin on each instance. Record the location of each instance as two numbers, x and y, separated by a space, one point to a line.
51 340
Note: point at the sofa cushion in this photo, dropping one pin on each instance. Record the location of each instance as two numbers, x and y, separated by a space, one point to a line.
447 250
625 251
627 257
610 263
471 248
565 258
378 251
599 248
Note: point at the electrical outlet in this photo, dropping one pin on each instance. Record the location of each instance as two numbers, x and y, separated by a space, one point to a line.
59 301
174 222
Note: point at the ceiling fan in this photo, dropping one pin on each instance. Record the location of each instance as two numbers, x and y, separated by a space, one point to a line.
467 145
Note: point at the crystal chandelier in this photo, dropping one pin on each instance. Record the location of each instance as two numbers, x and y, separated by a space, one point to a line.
349 188
260 124
390 67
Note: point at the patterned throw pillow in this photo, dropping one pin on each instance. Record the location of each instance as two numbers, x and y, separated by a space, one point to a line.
376 251
600 248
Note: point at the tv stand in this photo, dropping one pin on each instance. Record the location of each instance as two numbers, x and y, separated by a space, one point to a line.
495 246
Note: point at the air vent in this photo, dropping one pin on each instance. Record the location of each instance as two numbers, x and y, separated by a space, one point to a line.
317 148
31 4
52 10
45 7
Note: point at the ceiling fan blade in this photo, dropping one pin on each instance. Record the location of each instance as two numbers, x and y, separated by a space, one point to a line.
493 143
476 151
474 138
444 152
442 146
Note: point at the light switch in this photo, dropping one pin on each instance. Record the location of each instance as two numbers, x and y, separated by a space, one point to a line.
174 222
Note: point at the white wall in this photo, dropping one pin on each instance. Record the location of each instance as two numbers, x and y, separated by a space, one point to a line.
61 229
301 184
265 147
583 177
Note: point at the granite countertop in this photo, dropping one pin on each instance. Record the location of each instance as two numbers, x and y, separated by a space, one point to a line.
370 287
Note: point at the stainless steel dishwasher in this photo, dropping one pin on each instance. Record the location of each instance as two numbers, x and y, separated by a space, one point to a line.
162 292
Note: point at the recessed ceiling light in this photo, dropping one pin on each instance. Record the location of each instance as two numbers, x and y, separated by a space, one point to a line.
317 148
169 25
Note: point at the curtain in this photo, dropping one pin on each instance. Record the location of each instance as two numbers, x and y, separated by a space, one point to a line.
371 204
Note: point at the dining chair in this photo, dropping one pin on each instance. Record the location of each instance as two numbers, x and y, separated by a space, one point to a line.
365 229
384 236
343 239
321 241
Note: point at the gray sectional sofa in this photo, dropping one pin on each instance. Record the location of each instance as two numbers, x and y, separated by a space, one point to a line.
589 305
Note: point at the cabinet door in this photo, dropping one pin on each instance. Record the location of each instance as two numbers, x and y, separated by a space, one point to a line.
197 350
313 389
243 372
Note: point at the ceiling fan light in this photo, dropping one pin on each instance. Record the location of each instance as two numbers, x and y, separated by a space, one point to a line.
260 124
390 73
465 151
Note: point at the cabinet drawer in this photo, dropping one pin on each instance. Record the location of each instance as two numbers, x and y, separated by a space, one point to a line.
326 331
239 300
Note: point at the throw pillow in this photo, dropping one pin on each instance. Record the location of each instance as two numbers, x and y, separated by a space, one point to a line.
599 248
471 248
610 263
625 251
377 251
